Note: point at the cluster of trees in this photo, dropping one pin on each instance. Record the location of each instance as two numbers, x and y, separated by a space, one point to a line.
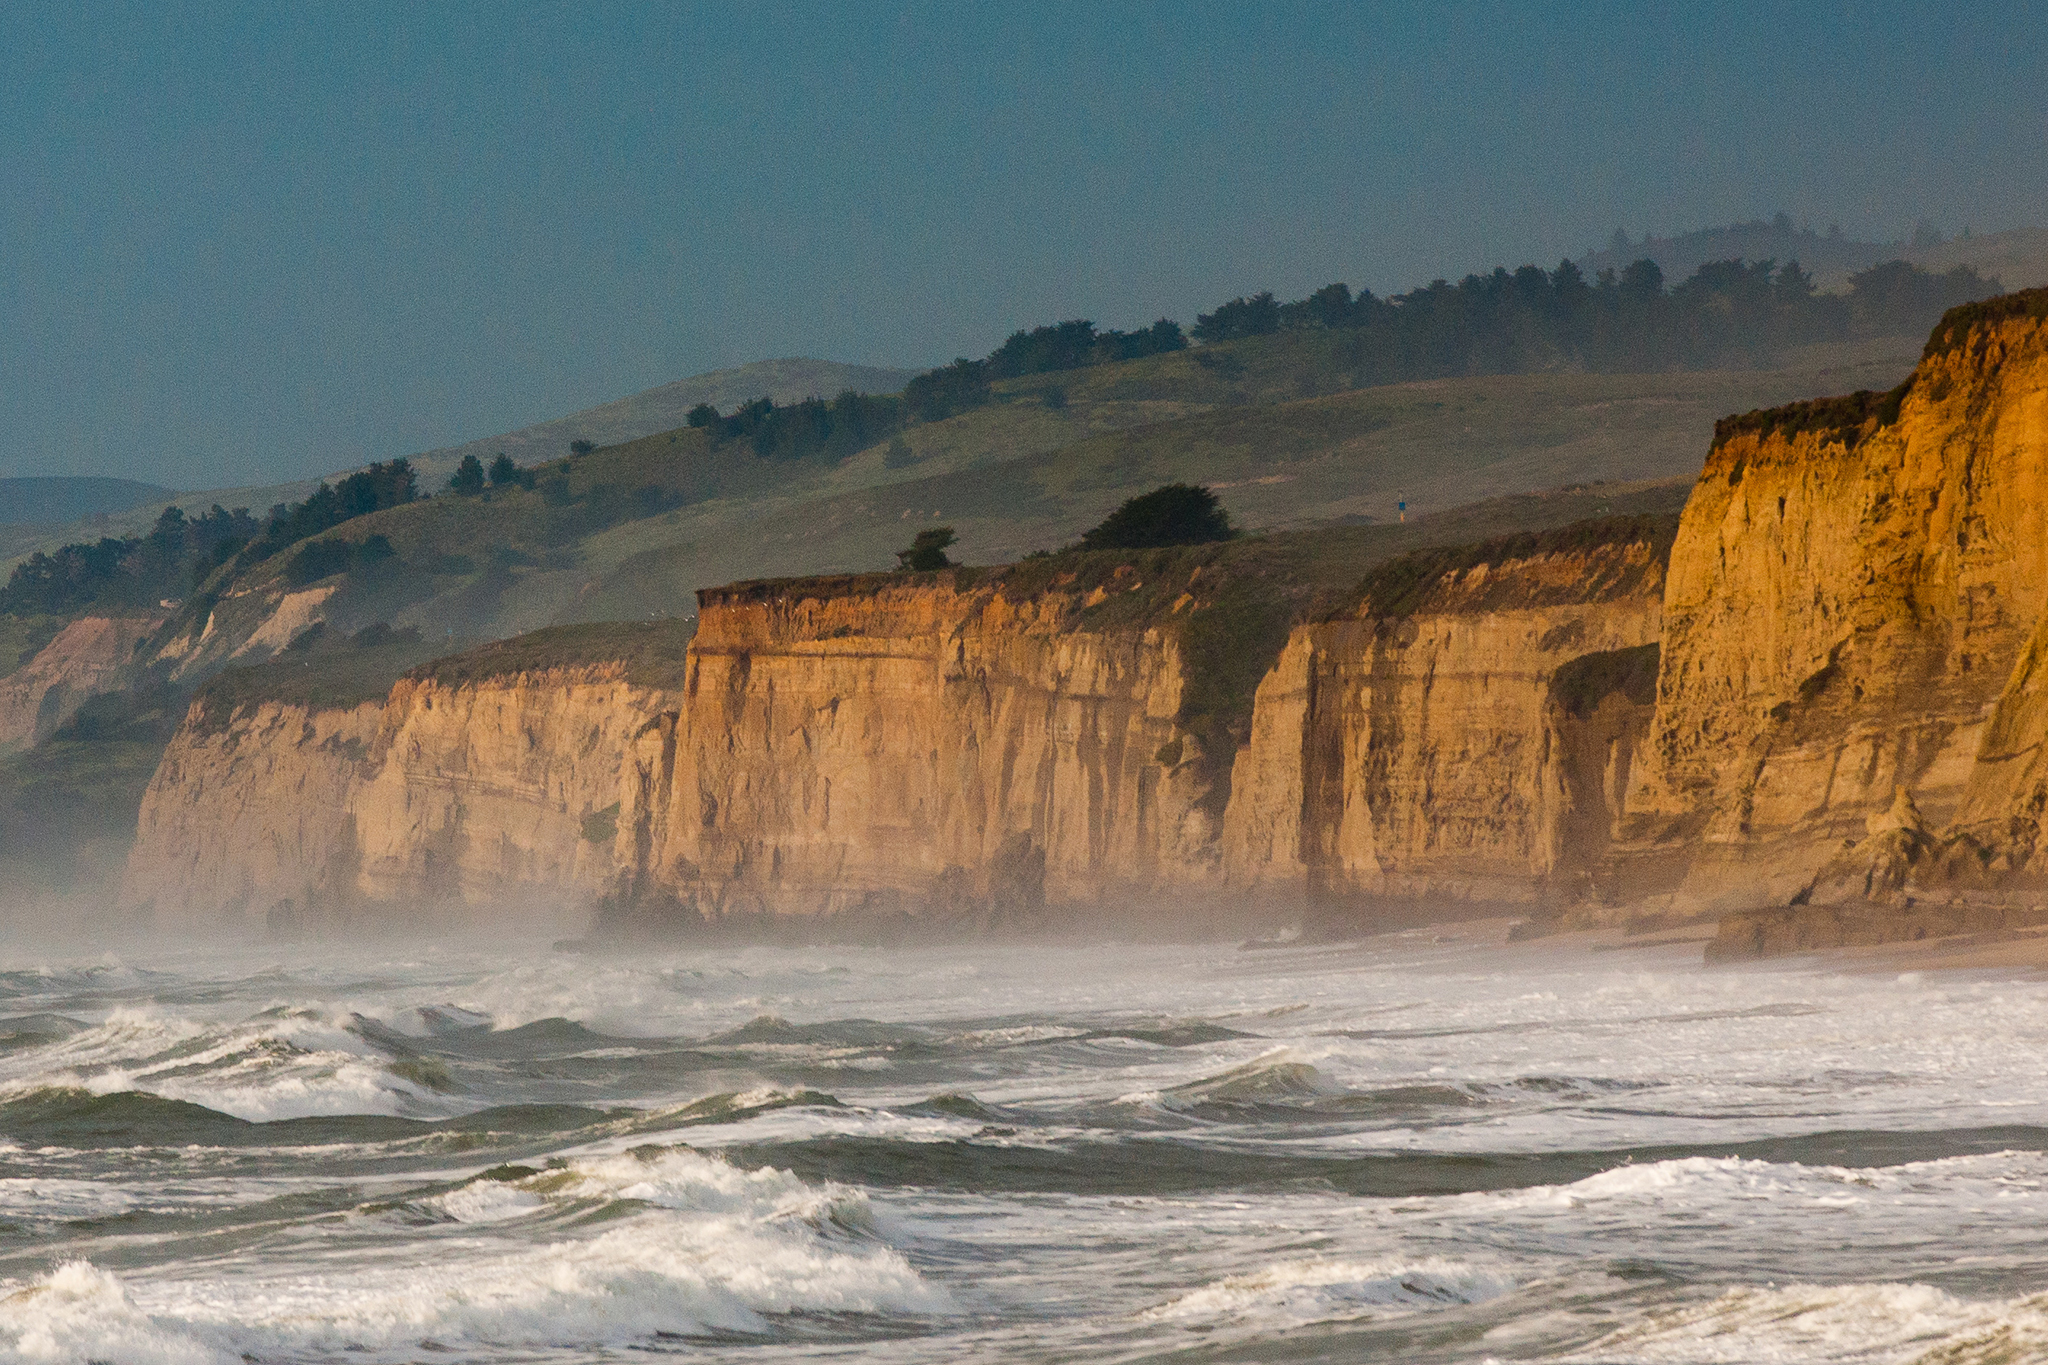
127 572
814 429
384 484
468 479
829 430
179 551
1071 345
1727 312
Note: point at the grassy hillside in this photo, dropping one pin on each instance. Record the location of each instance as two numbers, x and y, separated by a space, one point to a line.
652 411
1350 456
663 409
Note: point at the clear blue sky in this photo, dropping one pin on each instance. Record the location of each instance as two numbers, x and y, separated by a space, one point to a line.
241 243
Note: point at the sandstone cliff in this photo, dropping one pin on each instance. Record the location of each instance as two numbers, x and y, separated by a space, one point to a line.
83 659
969 749
877 746
249 824
1463 733
1853 584
488 781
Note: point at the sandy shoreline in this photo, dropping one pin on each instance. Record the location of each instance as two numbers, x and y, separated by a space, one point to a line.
2018 952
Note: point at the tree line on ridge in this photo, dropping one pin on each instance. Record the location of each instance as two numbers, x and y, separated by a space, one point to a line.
1728 313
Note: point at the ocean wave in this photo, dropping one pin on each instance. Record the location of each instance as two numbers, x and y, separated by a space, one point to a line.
1853 1322
1292 1293
278 1064
696 1247
71 1117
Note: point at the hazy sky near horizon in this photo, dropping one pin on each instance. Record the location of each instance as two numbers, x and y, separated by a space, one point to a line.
251 242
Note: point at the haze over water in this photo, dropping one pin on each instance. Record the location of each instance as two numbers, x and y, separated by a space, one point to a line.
1407 1149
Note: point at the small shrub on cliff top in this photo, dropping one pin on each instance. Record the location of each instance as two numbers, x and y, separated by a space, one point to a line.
1178 514
928 551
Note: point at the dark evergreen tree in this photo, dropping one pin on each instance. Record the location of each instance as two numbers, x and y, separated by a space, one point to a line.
1178 514
927 551
468 477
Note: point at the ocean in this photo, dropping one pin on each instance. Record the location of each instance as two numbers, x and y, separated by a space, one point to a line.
1414 1148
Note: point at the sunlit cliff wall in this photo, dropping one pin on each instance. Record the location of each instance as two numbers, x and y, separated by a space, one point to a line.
1464 734
1853 583
869 746
446 799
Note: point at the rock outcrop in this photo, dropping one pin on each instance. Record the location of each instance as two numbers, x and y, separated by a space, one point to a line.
249 823
967 751
1854 583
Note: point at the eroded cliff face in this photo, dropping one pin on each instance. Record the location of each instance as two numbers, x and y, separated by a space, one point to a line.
868 748
966 752
490 797
1853 584
83 659
1473 745
484 793
249 826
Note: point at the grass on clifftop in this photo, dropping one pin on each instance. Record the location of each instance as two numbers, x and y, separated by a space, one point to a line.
317 671
1399 586
653 653
1959 323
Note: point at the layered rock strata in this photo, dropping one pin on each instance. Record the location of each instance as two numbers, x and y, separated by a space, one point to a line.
429 807
865 747
961 750
1845 708
1464 734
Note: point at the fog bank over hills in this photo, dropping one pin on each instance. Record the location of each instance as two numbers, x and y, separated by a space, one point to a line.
61 499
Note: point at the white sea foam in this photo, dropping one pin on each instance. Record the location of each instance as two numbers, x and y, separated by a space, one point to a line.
1296 1292
712 1248
78 1314
1814 1323
1057 1256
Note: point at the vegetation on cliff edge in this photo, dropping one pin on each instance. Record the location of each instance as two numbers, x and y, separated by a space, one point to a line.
1400 586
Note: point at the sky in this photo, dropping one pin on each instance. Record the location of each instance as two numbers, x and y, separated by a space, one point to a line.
240 244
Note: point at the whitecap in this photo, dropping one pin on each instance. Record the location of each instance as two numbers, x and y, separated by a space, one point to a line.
713 1249
1818 1323
1295 1292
